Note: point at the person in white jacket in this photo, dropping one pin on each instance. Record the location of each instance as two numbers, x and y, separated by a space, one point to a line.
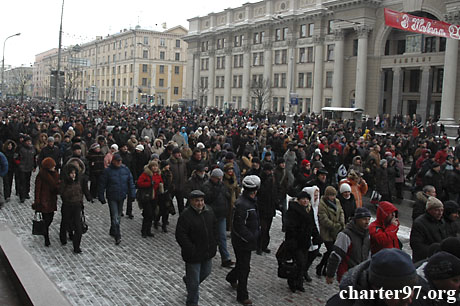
313 252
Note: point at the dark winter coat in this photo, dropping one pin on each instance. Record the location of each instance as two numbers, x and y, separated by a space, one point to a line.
348 206
217 196
426 230
179 172
71 191
419 205
246 228
117 182
10 155
434 179
196 234
96 163
46 191
266 196
195 183
27 158
52 152
193 164
383 183
300 228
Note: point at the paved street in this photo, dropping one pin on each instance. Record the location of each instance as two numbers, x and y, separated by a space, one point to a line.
145 271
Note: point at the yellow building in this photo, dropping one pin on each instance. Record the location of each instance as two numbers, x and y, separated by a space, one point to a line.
132 66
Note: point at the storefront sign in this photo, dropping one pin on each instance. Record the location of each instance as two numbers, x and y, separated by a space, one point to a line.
421 25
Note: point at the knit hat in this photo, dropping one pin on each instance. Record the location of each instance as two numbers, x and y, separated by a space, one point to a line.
305 162
280 161
164 163
344 188
433 202
383 161
154 156
76 147
140 147
330 191
392 269
251 182
175 150
217 173
362 212
48 163
229 155
51 139
117 157
451 245
442 265
94 146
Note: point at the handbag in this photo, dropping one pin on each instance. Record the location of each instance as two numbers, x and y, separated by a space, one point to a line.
38 224
144 194
287 267
375 197
84 225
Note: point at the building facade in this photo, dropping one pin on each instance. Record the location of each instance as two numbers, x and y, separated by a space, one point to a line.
133 66
334 53
18 81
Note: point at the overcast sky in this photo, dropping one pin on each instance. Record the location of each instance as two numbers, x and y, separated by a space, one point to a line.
38 21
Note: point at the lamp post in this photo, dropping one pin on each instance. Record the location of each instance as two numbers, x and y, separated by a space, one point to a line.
3 57
58 73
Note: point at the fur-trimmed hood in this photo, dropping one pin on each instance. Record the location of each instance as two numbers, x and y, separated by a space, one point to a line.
5 145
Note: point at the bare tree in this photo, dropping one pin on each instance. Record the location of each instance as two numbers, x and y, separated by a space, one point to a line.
72 80
20 80
261 91
202 92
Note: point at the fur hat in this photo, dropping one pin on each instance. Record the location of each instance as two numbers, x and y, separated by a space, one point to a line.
330 191
352 175
433 202
228 166
48 163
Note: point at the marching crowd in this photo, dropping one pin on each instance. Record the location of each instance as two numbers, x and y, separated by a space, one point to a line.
230 172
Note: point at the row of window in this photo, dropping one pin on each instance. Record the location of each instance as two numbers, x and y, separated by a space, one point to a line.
144 69
304 80
305 55
145 55
305 30
145 82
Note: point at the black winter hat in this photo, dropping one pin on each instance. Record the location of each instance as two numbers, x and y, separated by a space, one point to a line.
450 207
362 212
451 245
442 265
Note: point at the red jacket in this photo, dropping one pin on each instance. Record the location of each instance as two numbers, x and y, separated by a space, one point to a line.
148 179
383 237
440 157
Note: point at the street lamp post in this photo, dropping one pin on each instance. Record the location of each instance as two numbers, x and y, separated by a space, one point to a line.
58 74
3 57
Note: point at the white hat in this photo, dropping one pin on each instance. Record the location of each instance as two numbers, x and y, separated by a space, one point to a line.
251 182
114 146
344 188
200 145
140 147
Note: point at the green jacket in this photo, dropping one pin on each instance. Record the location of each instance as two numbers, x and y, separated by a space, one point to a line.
331 221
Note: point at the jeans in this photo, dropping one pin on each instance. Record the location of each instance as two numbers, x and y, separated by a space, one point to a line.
180 200
222 239
24 184
116 208
240 273
71 222
195 273
8 184
264 239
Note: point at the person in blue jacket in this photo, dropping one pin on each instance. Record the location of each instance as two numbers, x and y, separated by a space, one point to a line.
3 172
117 182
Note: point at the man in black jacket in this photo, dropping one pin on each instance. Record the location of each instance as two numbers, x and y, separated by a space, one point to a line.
50 151
196 234
245 234
217 196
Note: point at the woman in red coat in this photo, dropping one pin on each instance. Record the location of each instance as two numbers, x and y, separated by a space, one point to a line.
46 191
149 183
384 230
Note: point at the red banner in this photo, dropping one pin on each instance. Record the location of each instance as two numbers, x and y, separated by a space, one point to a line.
421 25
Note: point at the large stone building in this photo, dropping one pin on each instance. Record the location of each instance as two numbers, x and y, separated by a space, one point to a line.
18 81
327 53
133 66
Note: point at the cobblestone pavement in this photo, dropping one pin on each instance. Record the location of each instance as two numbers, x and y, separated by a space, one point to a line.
146 271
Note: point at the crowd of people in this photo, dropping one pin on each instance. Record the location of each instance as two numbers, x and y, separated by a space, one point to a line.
230 171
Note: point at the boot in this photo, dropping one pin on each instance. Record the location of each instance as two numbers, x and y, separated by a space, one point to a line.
164 228
319 270
47 241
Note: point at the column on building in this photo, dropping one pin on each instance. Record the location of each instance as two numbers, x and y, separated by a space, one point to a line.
449 82
196 76
337 77
211 77
396 96
246 76
228 75
267 81
318 75
425 92
190 74
380 109
361 67
290 76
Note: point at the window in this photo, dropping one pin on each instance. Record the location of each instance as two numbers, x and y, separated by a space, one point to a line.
124 81
144 68
204 46
237 81
275 104
329 79
401 46
257 80
145 54
355 47
285 33
204 82
204 63
176 69
238 61
162 55
278 35
219 81
430 44
220 62
119 82
280 57
119 44
414 84
442 44
177 56
258 38
113 70
162 69
114 57
118 69
330 26
161 82
330 52
311 29
177 44
283 80
238 40
301 80
162 42
221 43
309 80
146 40
303 30
113 82
144 81
130 81
131 68
176 91
327 102
258 59
276 80
124 68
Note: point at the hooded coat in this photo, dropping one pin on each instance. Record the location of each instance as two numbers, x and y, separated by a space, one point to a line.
46 191
331 219
383 236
